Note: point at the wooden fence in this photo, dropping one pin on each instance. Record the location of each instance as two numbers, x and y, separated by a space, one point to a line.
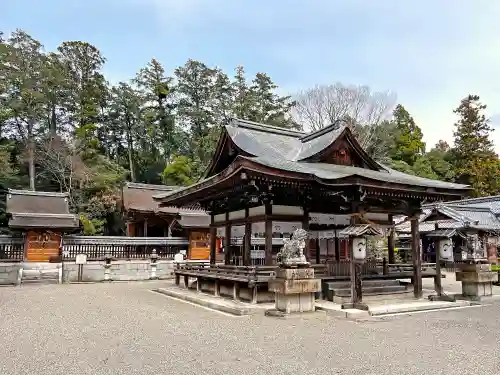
99 247
11 249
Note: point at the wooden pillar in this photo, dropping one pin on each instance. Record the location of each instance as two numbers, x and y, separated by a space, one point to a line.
390 243
268 235
318 254
227 243
213 241
356 267
130 229
247 240
145 228
438 287
416 257
337 247
305 226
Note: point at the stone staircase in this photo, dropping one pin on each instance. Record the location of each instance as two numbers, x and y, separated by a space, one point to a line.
40 273
340 291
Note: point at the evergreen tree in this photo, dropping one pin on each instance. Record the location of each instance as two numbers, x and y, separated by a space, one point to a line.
475 161
408 140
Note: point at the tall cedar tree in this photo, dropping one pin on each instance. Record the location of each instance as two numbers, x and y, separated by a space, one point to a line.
408 143
475 161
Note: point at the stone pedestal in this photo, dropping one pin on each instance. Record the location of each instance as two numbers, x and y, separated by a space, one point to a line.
294 290
477 280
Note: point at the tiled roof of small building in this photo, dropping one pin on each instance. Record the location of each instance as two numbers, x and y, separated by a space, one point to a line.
39 209
481 218
139 197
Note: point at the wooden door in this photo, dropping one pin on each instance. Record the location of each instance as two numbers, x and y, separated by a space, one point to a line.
42 246
199 245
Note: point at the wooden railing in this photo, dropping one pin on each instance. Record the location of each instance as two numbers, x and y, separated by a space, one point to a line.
247 274
11 249
97 248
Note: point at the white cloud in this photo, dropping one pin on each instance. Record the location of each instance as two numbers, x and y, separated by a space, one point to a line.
431 53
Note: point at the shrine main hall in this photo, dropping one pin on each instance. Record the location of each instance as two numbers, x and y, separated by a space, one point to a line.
263 182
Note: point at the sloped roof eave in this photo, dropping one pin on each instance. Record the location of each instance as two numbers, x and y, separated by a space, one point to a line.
256 164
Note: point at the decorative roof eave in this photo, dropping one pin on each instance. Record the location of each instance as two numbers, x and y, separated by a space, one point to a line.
452 214
37 193
241 164
223 139
359 230
445 233
349 137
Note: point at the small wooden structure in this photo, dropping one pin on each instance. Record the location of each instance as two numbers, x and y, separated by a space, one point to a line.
467 222
145 219
42 217
265 181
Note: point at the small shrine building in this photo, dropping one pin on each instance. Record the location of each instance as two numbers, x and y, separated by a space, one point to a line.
42 217
144 218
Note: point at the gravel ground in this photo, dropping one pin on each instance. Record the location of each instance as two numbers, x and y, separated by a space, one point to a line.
124 328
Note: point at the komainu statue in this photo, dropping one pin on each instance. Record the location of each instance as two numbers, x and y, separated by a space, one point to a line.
292 253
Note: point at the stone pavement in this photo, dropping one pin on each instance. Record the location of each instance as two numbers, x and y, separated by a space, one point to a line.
124 328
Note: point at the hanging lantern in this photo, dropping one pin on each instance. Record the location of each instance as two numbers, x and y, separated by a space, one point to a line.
359 248
445 249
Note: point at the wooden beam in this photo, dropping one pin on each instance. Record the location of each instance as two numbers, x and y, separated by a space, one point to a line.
416 257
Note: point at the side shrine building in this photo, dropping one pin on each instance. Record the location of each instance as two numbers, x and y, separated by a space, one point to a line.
264 181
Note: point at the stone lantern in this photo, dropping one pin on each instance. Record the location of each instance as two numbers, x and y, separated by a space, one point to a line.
357 235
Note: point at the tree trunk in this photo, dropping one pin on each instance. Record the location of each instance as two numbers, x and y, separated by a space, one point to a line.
31 162
131 157
52 123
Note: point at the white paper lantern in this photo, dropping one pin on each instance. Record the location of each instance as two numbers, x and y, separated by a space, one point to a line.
359 248
446 249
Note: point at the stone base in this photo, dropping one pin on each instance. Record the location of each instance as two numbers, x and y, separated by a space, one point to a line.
477 284
294 290
477 277
295 303
474 289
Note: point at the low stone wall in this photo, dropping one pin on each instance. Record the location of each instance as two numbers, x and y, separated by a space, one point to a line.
120 270
9 273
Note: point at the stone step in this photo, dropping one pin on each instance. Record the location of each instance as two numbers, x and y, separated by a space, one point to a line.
370 291
366 283
41 272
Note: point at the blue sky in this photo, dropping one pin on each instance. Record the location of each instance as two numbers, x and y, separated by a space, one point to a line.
431 53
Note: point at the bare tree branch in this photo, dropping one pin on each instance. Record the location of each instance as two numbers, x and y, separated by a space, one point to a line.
363 109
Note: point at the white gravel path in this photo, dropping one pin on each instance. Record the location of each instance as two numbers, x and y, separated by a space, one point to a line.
124 328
